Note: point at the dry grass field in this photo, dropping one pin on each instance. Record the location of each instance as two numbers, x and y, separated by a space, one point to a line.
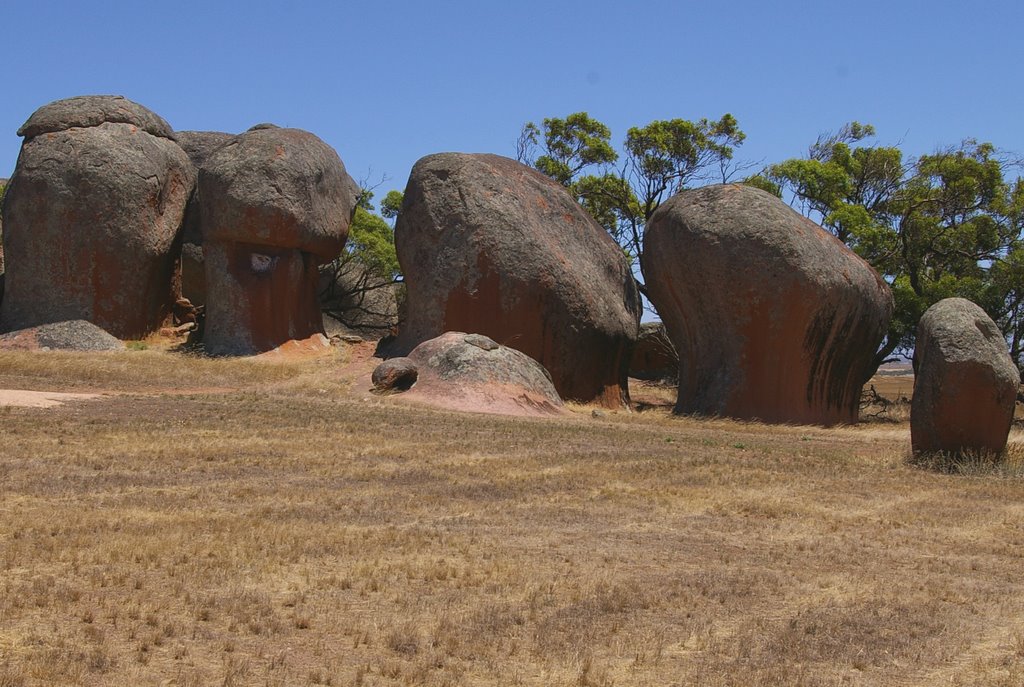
219 522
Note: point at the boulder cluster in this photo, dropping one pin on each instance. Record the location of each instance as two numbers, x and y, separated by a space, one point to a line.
116 227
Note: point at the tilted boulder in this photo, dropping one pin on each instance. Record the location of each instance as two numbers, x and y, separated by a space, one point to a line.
492 246
472 372
274 205
965 383
773 318
92 218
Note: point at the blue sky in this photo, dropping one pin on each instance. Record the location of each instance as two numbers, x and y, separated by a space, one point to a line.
386 83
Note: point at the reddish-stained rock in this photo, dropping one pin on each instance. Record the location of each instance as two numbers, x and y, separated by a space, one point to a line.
965 383
773 318
92 218
274 205
471 372
492 246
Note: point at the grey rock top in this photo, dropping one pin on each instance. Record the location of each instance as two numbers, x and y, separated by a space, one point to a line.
963 332
93 110
278 187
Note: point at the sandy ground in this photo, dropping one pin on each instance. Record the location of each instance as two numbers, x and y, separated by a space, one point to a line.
40 399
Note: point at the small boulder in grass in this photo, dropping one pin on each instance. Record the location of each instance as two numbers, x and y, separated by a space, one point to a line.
396 374
965 383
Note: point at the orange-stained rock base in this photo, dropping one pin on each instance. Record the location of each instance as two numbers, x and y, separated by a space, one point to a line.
595 372
259 298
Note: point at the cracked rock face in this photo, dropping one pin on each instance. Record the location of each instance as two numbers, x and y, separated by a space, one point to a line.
965 383
92 218
489 245
772 317
274 205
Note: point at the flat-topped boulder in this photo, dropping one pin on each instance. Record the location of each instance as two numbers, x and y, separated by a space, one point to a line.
772 317
93 110
491 246
965 383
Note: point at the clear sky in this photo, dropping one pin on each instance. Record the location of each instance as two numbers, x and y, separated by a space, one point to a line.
386 83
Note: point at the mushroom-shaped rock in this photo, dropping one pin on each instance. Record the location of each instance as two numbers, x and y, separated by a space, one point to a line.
92 218
773 318
965 383
274 204
472 372
489 245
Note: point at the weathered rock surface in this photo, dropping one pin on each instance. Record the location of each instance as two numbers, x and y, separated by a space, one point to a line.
772 317
274 204
199 145
93 110
965 383
489 245
73 335
92 218
472 372
395 374
654 356
363 302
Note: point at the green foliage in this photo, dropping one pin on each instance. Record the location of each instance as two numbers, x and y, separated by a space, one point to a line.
658 159
371 240
391 205
942 225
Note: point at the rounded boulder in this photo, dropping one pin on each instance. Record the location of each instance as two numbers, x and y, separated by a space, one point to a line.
92 218
492 246
772 317
965 383
472 372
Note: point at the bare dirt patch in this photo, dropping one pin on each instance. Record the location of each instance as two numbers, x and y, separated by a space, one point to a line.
39 399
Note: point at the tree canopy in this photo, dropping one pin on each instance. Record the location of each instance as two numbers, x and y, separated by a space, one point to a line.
943 224
623 188
939 225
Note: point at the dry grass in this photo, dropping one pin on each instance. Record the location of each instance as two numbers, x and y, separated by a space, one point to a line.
291 529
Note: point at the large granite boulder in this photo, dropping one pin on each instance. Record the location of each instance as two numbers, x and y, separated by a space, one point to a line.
965 383
274 205
92 218
492 246
471 372
773 318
